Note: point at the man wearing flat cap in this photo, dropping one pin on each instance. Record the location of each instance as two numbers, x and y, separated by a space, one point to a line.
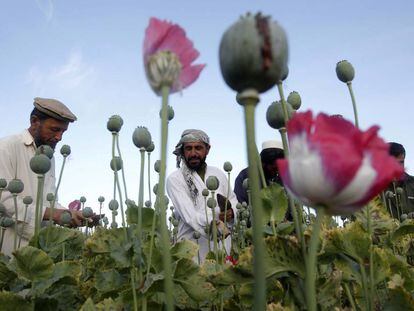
185 186
48 121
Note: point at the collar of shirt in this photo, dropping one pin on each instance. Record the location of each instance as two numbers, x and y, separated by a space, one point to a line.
27 138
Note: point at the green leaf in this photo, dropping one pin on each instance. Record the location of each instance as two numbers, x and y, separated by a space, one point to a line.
13 302
88 305
400 300
6 275
109 280
275 203
184 249
404 229
185 268
33 263
147 216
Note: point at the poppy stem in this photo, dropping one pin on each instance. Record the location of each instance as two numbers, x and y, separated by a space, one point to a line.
351 92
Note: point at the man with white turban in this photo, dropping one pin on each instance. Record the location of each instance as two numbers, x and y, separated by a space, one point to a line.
185 186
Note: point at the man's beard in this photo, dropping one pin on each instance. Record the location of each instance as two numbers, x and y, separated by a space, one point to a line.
195 166
40 142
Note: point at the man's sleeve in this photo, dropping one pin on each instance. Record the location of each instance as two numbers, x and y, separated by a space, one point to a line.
184 206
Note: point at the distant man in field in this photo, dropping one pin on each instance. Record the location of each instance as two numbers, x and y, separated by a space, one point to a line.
49 119
185 186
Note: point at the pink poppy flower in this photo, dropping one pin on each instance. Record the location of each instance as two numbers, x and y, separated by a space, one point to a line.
335 165
75 205
231 260
168 56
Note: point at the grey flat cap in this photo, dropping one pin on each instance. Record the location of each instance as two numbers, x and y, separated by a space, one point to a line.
54 108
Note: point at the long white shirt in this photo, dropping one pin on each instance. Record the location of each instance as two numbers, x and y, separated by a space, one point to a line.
15 154
192 217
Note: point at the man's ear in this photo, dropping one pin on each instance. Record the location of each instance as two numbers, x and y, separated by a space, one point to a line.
34 122
208 149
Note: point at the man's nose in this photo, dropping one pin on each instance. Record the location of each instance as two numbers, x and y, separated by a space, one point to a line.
58 136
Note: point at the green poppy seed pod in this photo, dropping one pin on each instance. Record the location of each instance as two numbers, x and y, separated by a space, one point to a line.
101 199
3 183
114 124
275 116
205 192
246 184
65 150
65 218
170 113
113 205
141 137
130 202
196 235
227 167
243 223
212 183
389 194
27 200
82 199
46 150
211 203
244 204
403 217
40 164
253 54
175 222
147 203
345 71
15 186
116 163
155 189
50 197
87 212
114 225
294 100
399 190
6 222
157 166
238 206
151 147
2 209
246 214
105 220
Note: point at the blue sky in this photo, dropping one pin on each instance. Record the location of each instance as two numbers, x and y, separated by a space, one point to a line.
88 54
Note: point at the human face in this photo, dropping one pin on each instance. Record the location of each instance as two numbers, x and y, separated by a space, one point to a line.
271 170
195 154
47 132
401 159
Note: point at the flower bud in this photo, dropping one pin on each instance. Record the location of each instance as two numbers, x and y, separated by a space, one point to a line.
244 204
175 222
28 200
403 217
399 190
389 194
65 218
101 199
15 186
170 113
344 71
205 192
238 206
6 222
212 183
211 203
196 235
253 54
147 203
150 148
116 163
114 225
113 205
105 220
46 150
141 137
114 124
65 150
82 199
157 166
243 223
50 197
3 183
227 167
294 100
40 164
87 212
275 116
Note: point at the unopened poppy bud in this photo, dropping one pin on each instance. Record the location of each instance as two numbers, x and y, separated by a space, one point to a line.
205 192
294 100
148 203
243 223
113 205
87 212
211 203
175 222
399 190
141 137
40 164
15 186
150 148
157 166
65 218
3 183
227 167
196 235
27 200
46 150
105 220
238 206
50 197
275 116
82 199
116 163
65 150
403 217
114 124
389 194
212 183
101 199
345 71
170 113
6 222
